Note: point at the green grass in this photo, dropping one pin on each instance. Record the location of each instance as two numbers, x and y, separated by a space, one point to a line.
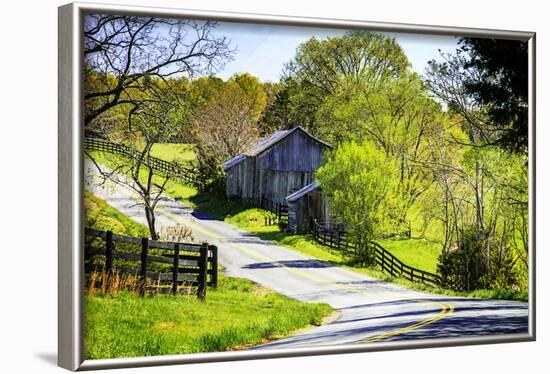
218 206
182 153
101 216
418 253
251 220
177 190
236 315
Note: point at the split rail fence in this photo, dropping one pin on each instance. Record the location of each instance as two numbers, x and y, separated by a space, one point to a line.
172 263
335 237
279 209
169 168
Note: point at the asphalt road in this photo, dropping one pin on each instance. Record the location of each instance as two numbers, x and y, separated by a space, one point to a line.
370 310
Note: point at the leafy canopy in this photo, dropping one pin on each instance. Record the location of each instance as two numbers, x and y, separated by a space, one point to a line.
359 181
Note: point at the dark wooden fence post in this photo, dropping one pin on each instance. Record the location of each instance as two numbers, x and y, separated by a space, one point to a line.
203 269
143 269
109 252
175 269
214 269
391 266
314 229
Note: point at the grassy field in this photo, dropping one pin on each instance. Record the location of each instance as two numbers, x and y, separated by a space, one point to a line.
236 315
102 216
418 253
175 189
182 153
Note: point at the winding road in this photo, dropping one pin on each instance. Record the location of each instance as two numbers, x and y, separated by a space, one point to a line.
370 310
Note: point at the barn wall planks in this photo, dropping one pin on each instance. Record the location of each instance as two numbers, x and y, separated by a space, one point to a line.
301 211
277 171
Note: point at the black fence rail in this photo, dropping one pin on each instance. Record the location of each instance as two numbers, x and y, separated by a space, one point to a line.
176 264
393 266
279 209
335 237
169 168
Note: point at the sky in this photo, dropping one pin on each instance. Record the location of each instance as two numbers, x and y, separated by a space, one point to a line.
263 50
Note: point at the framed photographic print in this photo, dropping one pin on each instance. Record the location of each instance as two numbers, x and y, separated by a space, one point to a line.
238 186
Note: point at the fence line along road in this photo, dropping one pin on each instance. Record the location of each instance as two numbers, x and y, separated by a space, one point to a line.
279 209
169 168
336 238
188 264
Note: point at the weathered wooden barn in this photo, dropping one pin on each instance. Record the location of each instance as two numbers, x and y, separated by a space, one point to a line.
305 205
277 166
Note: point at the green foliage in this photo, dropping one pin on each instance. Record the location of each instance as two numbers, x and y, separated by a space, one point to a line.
236 315
359 182
464 268
316 70
501 85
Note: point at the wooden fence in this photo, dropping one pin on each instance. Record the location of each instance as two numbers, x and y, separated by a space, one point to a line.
335 237
279 209
194 265
169 168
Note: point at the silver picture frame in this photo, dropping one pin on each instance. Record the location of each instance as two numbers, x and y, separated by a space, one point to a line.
70 186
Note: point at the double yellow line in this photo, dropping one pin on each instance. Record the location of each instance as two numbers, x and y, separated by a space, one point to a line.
446 309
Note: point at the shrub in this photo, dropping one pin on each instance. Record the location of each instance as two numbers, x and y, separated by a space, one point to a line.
463 268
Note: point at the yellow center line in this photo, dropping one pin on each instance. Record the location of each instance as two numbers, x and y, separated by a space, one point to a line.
446 309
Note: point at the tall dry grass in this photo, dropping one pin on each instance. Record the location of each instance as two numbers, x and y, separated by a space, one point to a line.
177 233
100 283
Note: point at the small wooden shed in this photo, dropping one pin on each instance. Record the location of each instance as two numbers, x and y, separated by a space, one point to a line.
305 205
277 166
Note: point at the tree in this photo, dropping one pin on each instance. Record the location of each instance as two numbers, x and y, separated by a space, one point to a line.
124 50
482 205
359 183
319 65
486 81
228 124
149 123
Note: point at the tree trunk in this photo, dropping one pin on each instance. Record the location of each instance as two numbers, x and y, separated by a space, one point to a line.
150 215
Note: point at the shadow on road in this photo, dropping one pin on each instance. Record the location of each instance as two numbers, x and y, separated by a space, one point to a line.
202 216
300 264
471 317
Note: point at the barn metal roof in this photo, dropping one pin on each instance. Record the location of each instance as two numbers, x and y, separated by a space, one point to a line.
276 137
301 192
266 143
234 161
